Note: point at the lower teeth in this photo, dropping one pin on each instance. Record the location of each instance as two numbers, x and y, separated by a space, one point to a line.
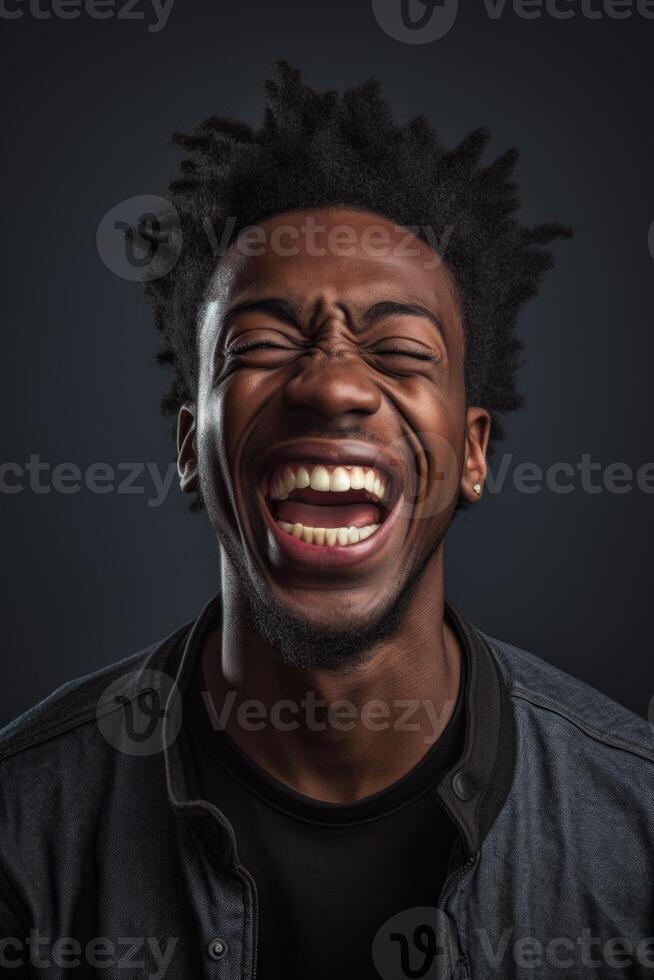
331 536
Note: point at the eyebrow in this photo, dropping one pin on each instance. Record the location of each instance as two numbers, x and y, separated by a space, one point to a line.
289 312
386 308
282 309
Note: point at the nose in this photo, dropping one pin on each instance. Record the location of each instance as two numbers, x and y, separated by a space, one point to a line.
332 385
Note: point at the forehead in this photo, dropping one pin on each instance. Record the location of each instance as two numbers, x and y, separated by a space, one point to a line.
333 255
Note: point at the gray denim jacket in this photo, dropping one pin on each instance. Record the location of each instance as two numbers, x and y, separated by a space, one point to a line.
109 869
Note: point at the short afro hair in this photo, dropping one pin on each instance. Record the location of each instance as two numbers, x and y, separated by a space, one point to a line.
315 150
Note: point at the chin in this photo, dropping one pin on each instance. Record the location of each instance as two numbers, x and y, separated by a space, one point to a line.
330 641
333 611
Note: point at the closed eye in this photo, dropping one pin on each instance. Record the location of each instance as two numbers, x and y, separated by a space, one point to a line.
419 355
257 345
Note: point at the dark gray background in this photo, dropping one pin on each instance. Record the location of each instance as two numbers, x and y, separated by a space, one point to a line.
88 107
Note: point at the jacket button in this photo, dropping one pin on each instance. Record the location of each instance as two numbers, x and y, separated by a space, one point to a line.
464 786
217 949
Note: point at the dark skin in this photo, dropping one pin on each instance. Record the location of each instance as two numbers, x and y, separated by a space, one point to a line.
357 354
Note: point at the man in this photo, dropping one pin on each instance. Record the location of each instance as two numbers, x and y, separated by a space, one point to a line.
331 773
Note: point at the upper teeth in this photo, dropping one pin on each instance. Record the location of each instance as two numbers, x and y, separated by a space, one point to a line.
327 478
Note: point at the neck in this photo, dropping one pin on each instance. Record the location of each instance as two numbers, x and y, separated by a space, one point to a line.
337 736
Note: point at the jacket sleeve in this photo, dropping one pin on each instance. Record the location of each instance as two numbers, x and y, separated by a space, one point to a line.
14 935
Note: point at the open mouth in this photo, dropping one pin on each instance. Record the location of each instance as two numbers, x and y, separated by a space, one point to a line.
329 506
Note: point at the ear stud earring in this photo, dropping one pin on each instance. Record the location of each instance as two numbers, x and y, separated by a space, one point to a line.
477 488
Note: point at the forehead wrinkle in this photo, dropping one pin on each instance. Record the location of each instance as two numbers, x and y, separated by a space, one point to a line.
324 309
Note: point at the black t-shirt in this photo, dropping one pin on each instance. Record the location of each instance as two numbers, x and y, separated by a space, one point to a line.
328 876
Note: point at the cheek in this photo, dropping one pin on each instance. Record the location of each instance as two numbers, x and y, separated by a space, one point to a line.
218 430
432 422
248 410
227 417
225 414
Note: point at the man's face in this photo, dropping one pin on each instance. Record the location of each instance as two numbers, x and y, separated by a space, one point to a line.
330 433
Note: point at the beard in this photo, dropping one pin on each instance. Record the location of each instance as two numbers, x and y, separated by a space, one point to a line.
299 643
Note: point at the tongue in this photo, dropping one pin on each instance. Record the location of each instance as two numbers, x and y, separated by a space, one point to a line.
340 515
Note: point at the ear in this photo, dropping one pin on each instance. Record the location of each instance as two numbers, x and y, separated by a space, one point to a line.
478 426
187 458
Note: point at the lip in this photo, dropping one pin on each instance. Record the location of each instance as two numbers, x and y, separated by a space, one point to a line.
325 556
333 453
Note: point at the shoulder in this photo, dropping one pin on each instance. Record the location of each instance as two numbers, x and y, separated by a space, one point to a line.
582 796
559 705
71 712
62 761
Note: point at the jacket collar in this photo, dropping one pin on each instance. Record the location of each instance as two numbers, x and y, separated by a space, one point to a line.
473 792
